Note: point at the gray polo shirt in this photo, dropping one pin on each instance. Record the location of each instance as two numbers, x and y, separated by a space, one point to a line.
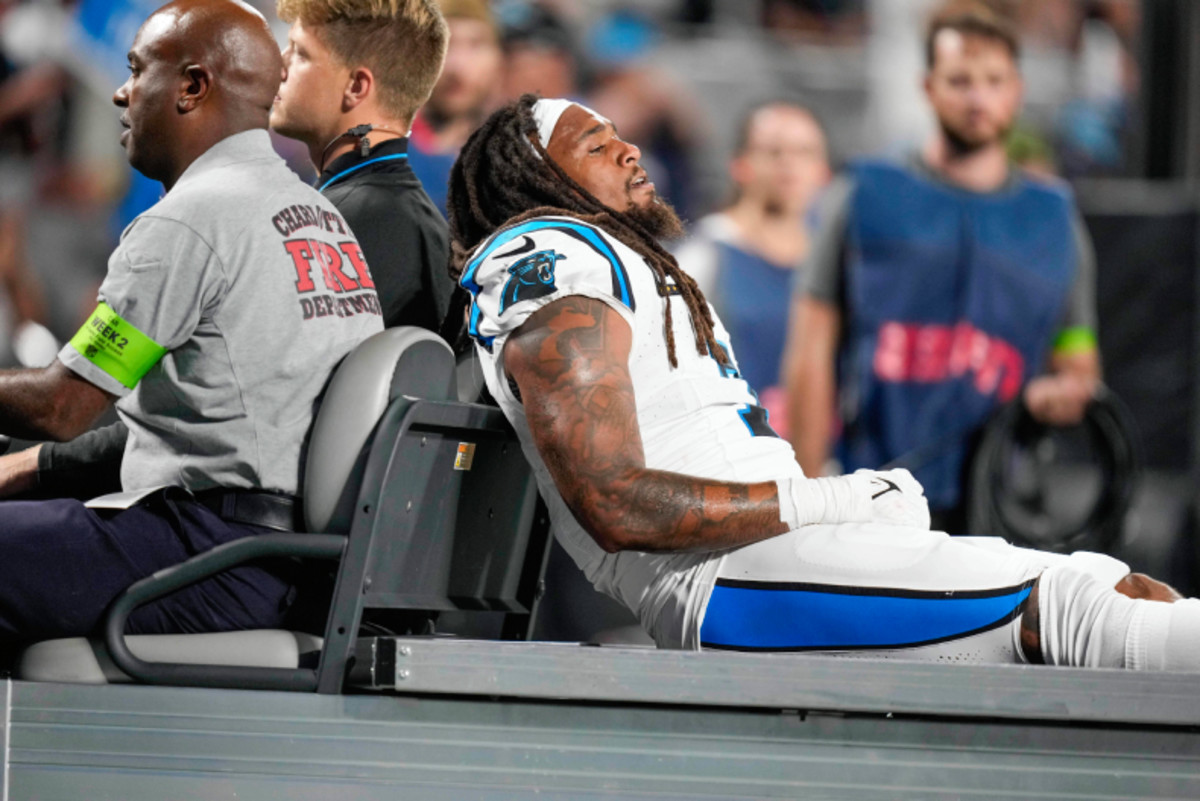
251 287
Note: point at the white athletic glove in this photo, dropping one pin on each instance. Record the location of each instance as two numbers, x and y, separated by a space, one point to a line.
891 497
897 498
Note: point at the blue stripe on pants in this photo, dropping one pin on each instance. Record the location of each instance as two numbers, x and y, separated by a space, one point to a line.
770 616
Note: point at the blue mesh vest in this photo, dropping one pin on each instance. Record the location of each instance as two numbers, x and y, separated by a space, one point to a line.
952 301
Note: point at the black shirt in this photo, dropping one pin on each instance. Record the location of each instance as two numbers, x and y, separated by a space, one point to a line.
402 234
406 244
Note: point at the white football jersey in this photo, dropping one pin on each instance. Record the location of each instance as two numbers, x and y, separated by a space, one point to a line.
699 418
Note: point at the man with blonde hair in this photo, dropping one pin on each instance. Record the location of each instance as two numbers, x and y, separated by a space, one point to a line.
355 73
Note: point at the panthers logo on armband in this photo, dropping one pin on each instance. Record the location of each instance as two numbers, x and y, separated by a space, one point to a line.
531 277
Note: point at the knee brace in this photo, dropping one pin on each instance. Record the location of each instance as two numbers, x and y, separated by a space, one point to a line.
1084 622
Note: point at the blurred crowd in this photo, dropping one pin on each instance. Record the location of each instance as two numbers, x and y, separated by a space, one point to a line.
676 76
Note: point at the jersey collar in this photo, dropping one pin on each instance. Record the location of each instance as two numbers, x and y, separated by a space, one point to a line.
352 159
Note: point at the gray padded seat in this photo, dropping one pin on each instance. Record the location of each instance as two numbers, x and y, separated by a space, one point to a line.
395 362
78 660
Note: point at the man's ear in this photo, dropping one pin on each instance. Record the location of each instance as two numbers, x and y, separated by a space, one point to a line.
358 89
197 83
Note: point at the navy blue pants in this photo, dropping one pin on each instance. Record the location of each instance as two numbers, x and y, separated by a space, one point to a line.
62 563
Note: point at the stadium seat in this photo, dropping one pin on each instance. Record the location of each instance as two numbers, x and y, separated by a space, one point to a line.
426 503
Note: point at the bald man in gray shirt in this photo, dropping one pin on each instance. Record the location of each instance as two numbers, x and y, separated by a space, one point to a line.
225 308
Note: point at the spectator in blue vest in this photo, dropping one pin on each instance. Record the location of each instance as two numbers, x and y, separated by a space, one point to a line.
746 256
943 285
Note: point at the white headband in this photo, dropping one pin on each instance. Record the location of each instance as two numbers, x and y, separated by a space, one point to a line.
547 111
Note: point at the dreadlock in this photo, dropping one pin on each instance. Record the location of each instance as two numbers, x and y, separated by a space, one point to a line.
504 176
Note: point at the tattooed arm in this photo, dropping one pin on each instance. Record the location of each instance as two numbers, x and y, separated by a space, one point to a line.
570 361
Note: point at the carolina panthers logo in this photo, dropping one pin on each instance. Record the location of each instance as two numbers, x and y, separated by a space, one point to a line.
532 277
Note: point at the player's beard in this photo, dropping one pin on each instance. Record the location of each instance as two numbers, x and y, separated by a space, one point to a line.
658 218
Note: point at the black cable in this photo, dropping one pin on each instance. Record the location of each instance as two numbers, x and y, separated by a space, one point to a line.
1111 433
360 133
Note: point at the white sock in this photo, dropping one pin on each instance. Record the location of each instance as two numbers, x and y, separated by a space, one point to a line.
1083 622
1166 636
1086 623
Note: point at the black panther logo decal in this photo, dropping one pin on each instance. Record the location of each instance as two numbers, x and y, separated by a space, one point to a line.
531 277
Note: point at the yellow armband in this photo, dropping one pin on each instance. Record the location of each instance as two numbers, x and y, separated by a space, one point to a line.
116 347
1074 340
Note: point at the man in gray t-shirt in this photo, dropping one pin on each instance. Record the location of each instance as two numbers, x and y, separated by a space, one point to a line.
225 308
251 286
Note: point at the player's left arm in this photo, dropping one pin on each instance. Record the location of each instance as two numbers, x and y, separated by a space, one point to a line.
1061 397
49 403
570 363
